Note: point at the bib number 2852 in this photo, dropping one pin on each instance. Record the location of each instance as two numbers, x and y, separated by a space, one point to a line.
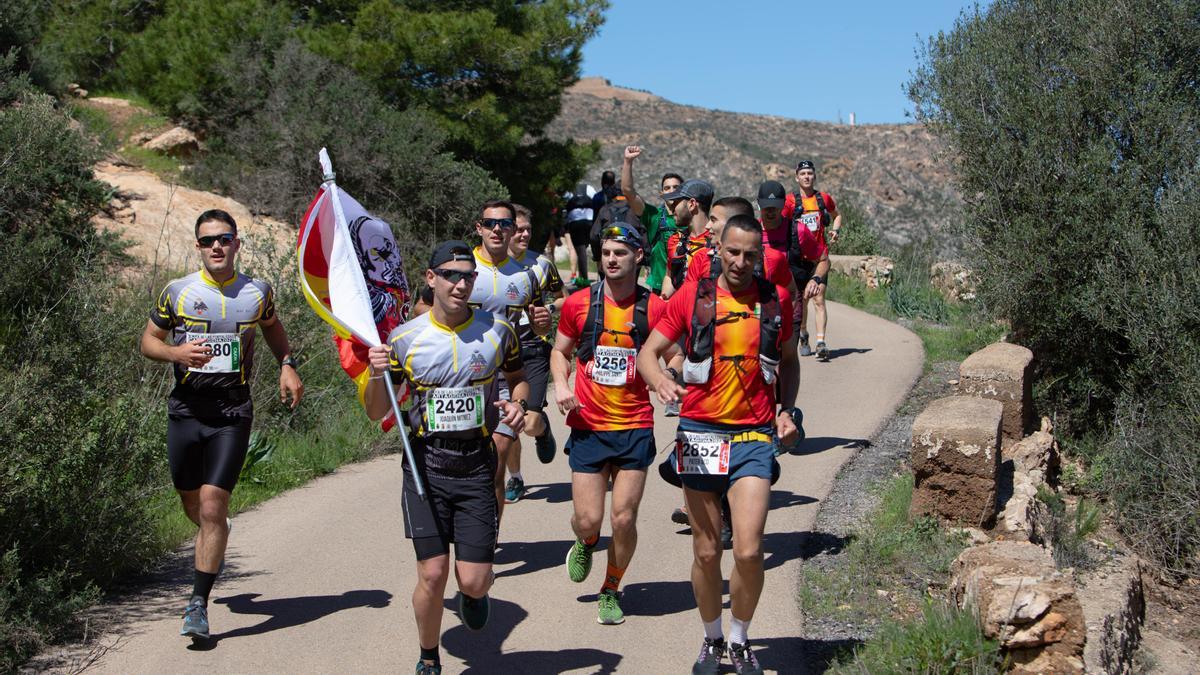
701 453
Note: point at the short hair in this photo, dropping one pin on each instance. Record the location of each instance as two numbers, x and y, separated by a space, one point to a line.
522 211
669 175
736 206
217 215
608 178
498 204
741 222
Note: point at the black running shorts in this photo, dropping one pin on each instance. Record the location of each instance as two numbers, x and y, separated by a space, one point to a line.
206 451
537 373
459 510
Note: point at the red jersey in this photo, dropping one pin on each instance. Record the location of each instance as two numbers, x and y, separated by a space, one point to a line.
777 238
619 400
775 266
695 242
809 228
735 393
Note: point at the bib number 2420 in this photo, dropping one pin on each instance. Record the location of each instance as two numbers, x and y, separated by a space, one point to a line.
702 453
454 409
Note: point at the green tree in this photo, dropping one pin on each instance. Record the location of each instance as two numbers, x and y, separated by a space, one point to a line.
1073 127
493 72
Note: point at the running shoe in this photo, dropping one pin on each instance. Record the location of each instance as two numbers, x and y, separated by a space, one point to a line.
804 350
610 609
579 561
546 445
822 350
474 612
514 489
671 409
428 669
195 619
743 660
709 661
680 517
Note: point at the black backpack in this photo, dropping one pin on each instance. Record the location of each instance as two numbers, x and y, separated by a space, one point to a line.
613 212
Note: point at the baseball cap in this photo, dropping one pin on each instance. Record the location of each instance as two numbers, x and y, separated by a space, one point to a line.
771 194
806 164
699 190
623 233
450 251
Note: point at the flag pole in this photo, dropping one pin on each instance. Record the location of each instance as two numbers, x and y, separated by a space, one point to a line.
327 176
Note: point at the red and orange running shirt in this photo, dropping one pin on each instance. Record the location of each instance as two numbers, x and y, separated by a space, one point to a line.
809 228
621 403
775 266
695 242
735 393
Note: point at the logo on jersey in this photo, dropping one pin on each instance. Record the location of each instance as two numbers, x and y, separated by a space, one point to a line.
512 292
477 363
199 307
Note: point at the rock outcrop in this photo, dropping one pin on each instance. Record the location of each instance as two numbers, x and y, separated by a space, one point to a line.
1114 608
1003 372
954 281
1027 465
1023 602
176 142
873 270
955 459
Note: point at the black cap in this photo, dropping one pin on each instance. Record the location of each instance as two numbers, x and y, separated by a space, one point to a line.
806 164
450 251
693 189
771 194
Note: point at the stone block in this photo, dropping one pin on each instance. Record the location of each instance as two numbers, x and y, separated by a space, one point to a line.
1002 372
873 270
955 458
177 142
953 280
1114 608
1023 602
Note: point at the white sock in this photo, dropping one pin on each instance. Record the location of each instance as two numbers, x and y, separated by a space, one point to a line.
712 629
518 476
738 630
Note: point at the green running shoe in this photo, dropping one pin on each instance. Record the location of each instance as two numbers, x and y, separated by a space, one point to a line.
579 561
514 490
610 609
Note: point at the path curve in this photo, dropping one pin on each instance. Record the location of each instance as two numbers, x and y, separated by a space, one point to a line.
319 579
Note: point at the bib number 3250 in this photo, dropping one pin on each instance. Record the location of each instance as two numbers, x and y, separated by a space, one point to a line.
701 453
226 350
613 366
454 409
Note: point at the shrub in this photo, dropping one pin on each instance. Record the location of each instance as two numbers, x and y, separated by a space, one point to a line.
857 235
944 640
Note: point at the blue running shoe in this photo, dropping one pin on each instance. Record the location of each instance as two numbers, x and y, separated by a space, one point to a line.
195 619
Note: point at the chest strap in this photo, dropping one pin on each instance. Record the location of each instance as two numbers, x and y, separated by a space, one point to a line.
593 325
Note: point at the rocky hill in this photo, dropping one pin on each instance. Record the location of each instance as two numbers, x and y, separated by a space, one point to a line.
891 172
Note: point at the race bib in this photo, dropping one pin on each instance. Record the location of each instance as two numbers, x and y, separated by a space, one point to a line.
454 409
614 366
811 220
226 350
702 453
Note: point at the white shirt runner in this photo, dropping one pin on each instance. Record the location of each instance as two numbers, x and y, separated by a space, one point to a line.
454 409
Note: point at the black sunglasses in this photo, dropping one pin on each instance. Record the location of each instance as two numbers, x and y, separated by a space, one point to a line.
455 276
503 223
225 239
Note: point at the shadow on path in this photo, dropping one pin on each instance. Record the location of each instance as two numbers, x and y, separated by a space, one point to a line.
846 351
781 499
534 556
816 444
552 493
289 612
482 651
799 655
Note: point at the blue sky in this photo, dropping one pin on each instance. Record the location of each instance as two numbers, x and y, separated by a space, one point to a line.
806 60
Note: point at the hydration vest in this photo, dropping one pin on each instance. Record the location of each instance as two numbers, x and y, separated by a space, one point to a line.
794 259
677 266
697 367
593 325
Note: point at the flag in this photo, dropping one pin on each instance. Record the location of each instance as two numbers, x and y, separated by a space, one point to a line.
352 275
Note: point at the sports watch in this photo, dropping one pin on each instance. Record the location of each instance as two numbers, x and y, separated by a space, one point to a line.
817 278
290 361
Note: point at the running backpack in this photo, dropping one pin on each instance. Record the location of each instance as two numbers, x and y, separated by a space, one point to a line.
614 212
593 325
697 367
794 258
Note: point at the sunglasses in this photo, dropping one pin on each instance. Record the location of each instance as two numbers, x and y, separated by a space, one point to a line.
502 223
622 234
455 276
225 239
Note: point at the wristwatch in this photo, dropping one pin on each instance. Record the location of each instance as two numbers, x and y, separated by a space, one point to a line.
289 361
521 402
672 372
817 278
795 413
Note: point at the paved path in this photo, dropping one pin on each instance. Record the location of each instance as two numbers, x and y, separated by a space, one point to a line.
319 580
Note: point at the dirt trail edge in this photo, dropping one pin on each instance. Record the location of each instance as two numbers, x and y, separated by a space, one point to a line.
319 579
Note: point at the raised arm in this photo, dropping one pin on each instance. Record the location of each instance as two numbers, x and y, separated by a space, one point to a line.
636 203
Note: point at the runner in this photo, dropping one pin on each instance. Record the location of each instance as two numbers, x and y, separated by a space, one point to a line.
692 201
738 346
535 352
771 199
808 252
773 265
210 316
609 412
578 215
450 360
504 288
657 222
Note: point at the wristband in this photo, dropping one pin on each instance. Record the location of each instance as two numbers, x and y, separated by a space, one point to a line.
817 279
521 402
672 372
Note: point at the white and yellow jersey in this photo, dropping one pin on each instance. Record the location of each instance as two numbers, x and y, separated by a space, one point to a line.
503 288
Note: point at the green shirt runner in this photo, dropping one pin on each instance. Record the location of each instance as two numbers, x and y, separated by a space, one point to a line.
659 227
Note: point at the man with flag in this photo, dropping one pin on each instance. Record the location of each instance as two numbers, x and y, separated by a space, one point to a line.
451 359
